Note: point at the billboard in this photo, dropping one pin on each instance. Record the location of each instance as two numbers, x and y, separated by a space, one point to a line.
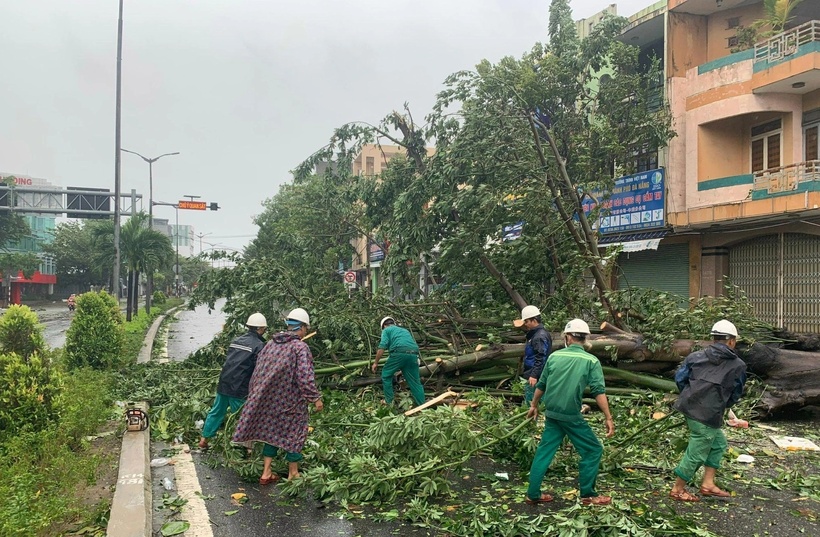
637 203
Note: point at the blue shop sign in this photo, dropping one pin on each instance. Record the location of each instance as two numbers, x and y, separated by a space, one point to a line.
637 203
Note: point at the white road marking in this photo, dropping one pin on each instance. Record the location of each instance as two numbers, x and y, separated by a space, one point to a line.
188 488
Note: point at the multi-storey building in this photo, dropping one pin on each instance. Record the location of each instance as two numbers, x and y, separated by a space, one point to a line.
41 283
742 174
368 255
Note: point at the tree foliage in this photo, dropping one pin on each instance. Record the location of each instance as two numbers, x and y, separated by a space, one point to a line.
95 337
526 141
141 250
77 255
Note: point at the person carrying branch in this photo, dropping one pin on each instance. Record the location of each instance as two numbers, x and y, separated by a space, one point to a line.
710 381
282 387
236 373
562 382
404 357
537 349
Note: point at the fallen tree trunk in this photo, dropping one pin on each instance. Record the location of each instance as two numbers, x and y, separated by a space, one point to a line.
792 377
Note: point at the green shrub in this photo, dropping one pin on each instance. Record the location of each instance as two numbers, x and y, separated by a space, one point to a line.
30 393
40 471
20 332
95 337
159 298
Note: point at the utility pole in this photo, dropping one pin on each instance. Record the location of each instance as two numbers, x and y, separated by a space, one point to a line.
118 122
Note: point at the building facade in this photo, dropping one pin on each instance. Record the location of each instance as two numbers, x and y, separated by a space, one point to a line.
742 174
41 283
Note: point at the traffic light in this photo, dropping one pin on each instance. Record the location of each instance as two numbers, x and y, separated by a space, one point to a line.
214 206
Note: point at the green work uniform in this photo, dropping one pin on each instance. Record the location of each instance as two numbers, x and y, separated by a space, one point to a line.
567 372
403 356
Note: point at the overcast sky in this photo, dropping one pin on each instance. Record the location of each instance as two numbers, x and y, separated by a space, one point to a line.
243 89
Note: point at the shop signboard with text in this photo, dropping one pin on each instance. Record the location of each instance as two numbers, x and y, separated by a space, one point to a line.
637 203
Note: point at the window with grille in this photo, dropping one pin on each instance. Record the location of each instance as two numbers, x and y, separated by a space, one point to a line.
766 146
811 149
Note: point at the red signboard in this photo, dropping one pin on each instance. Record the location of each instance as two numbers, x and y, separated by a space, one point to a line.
195 205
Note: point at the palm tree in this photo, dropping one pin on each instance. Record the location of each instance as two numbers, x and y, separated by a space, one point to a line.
141 250
778 13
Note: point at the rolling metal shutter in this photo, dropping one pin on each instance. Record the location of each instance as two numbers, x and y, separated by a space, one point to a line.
781 277
753 266
665 269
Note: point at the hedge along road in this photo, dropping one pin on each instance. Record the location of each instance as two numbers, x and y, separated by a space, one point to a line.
267 511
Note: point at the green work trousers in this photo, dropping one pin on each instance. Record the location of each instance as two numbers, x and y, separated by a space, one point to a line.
271 451
586 444
408 364
706 448
217 413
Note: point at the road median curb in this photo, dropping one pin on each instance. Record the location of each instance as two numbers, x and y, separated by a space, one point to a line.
131 507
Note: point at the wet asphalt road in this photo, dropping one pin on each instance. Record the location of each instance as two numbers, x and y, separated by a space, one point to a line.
55 319
194 329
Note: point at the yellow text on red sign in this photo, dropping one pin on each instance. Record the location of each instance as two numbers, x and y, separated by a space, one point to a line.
195 205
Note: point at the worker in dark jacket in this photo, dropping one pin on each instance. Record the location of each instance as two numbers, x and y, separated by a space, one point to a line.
710 381
237 370
537 350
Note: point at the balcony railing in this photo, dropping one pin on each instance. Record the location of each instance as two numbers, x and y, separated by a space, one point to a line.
784 44
787 178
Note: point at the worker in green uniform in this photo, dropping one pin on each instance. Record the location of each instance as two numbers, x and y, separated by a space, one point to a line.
562 382
403 356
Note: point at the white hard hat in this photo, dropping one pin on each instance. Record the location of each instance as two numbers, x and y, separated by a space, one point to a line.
527 313
300 315
388 318
257 320
724 328
577 326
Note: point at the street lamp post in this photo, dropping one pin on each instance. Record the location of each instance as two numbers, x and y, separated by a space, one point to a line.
150 162
150 290
176 232
200 235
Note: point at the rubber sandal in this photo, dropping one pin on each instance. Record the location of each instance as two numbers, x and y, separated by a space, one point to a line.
545 498
596 500
203 444
683 496
272 479
716 492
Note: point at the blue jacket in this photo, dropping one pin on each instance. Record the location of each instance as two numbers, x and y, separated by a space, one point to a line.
539 344
710 381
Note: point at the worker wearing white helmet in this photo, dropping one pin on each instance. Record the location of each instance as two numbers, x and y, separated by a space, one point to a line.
566 374
536 351
710 381
235 376
403 356
282 387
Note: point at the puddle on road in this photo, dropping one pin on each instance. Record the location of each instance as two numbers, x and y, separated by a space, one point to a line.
193 330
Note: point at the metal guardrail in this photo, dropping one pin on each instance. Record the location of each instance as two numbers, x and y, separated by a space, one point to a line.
787 178
787 43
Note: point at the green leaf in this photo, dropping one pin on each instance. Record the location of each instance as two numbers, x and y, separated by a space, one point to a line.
175 527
